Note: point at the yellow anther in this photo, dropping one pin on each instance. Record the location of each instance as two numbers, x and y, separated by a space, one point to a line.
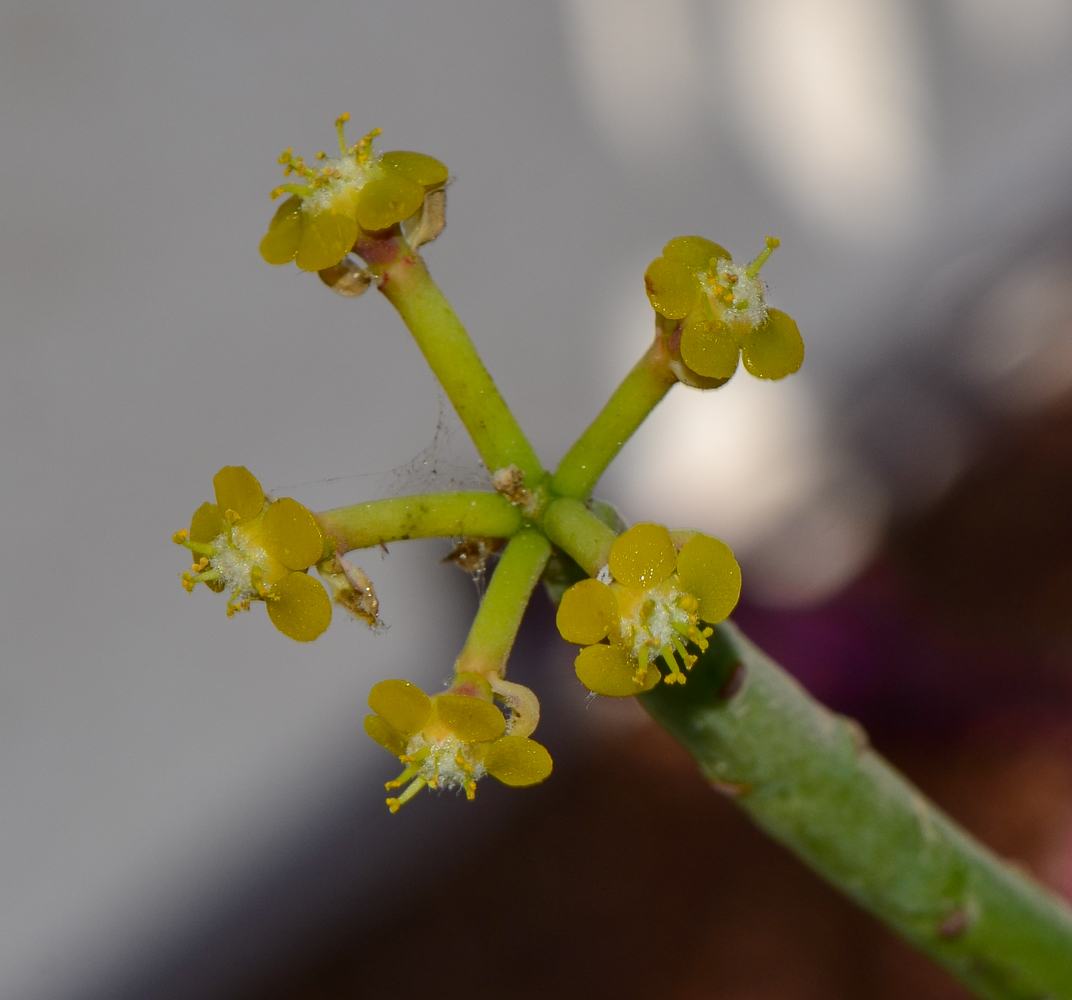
180 536
188 582
321 155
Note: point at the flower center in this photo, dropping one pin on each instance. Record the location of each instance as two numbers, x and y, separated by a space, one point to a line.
657 623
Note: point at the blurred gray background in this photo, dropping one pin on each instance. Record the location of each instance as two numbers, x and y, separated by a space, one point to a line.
161 766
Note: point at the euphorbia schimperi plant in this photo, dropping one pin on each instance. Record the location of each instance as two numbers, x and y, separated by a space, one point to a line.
648 604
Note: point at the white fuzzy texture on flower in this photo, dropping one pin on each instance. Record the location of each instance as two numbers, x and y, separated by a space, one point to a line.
441 768
747 308
652 622
236 562
344 172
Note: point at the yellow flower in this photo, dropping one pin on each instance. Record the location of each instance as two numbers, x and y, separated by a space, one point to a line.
651 605
260 550
713 312
358 191
452 740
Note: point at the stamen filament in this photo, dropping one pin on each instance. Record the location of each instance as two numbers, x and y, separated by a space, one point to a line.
200 548
340 125
642 668
753 269
302 190
408 773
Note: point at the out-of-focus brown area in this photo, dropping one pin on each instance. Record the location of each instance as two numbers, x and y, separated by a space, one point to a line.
996 556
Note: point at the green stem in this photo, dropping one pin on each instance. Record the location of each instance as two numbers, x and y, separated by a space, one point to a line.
807 777
640 392
499 616
428 515
446 346
579 533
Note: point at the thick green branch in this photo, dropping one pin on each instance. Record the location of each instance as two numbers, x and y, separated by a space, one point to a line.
579 533
446 346
428 515
809 779
639 394
499 616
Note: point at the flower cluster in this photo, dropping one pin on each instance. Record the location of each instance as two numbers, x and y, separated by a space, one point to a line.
452 740
659 589
713 313
260 551
359 191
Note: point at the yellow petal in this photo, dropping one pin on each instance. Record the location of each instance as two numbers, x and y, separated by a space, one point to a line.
587 613
643 556
301 607
281 242
424 170
673 288
382 203
292 535
609 670
707 569
237 489
401 704
517 761
472 720
775 349
695 252
709 349
327 237
207 523
386 735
